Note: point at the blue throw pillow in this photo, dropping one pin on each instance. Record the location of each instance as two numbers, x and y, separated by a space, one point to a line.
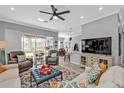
93 74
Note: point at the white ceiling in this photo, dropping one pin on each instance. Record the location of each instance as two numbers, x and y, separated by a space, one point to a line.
30 13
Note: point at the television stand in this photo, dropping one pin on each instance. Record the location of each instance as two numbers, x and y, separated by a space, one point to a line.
87 59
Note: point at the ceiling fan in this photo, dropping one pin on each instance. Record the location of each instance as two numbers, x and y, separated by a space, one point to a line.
56 14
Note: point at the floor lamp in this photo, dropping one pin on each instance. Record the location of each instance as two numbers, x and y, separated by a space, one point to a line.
3 45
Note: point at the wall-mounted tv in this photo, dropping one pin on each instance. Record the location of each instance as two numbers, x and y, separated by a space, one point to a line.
97 45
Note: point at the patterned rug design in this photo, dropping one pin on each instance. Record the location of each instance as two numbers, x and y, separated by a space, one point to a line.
68 75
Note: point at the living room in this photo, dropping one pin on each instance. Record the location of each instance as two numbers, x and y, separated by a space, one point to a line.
76 50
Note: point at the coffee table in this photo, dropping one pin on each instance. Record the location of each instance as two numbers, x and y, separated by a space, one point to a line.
38 78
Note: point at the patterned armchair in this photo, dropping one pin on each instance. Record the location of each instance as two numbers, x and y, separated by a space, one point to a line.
52 58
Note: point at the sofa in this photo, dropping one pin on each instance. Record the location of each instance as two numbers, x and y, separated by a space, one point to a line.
112 78
10 78
23 66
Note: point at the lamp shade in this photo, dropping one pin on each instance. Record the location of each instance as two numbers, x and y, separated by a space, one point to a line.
3 44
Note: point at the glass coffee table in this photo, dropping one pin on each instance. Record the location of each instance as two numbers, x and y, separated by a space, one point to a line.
38 78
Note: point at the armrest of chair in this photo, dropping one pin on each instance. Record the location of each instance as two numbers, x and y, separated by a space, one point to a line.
31 60
12 62
47 57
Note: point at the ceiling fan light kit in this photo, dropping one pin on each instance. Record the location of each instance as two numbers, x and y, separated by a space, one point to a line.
55 14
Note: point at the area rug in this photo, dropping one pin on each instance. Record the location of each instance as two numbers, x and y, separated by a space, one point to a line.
68 75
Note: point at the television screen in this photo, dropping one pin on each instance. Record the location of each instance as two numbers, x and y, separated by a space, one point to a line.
97 45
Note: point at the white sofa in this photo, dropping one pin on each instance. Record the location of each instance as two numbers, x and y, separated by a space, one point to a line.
10 78
112 78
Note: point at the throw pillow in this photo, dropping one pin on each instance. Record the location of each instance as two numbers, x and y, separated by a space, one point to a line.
21 58
53 54
103 68
93 74
2 68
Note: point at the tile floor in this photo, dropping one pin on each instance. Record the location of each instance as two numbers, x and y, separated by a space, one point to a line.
71 66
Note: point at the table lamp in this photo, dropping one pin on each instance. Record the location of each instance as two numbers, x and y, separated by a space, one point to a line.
3 45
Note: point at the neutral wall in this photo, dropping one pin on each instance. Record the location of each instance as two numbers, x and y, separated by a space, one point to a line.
26 29
12 33
76 40
104 27
2 34
13 38
121 16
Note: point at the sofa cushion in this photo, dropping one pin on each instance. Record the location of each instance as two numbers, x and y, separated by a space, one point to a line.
114 74
119 76
107 84
108 75
11 83
81 78
8 74
53 59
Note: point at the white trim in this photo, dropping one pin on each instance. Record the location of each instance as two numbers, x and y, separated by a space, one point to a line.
98 18
9 20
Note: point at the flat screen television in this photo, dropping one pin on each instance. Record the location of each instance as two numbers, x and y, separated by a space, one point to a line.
97 45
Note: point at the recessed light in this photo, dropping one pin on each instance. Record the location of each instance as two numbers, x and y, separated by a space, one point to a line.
40 19
55 17
12 8
100 8
82 17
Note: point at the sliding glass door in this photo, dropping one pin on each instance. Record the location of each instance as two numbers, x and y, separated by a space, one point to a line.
33 45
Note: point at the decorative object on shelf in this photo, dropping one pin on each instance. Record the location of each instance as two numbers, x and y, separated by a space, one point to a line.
45 70
56 44
76 48
3 45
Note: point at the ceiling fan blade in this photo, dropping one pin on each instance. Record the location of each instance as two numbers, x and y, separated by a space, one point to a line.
51 18
53 8
64 12
46 12
60 17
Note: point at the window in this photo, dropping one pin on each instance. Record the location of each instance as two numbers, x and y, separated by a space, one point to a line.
33 45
